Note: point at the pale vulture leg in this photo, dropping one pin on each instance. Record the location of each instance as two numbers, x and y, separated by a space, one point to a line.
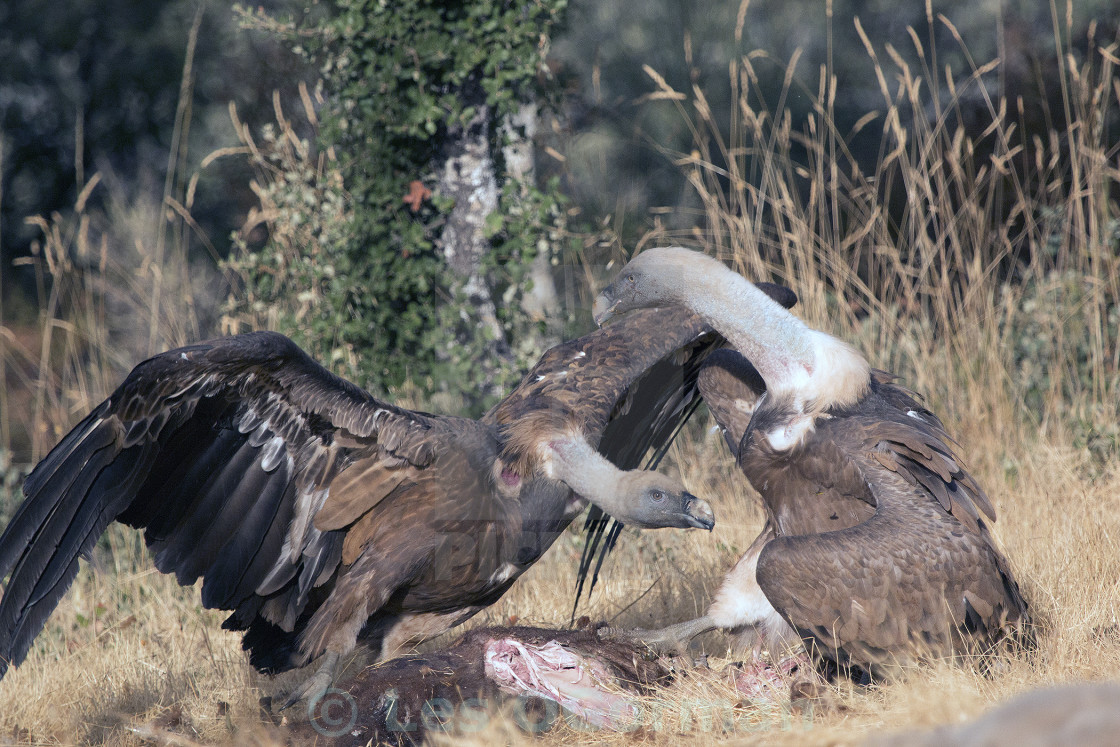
673 639
739 607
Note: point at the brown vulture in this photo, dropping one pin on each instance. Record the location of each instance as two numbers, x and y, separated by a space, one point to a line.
876 550
319 514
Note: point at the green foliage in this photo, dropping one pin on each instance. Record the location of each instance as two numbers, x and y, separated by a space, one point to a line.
288 283
1065 318
1055 351
405 79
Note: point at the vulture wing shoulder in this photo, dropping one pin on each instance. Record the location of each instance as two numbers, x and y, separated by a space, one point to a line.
580 386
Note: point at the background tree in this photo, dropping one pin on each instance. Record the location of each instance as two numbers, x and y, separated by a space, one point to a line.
428 238
440 275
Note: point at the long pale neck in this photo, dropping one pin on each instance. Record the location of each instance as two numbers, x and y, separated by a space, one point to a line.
789 355
775 341
587 472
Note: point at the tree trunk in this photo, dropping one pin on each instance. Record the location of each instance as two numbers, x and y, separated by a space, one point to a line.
469 178
541 302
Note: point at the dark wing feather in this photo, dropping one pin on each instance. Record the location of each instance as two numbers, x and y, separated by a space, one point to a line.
672 390
584 384
626 388
578 386
224 451
731 388
659 403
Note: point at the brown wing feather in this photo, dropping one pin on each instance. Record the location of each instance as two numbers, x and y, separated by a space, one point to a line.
359 489
731 386
916 578
924 441
898 429
901 586
577 386
582 385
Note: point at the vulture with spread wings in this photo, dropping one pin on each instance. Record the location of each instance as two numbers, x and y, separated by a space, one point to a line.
876 550
321 515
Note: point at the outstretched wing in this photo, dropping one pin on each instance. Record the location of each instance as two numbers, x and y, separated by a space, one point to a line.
225 452
585 384
669 392
627 388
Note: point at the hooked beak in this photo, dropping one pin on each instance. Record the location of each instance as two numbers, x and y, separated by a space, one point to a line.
604 307
698 512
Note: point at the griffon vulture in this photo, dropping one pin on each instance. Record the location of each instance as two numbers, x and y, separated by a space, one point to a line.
876 549
321 515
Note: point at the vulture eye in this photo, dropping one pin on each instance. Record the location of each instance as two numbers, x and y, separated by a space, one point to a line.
630 278
657 496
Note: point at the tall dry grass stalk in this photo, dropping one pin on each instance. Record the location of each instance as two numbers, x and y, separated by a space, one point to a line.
984 270
978 226
116 281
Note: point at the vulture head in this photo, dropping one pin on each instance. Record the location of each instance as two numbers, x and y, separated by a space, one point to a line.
640 498
653 500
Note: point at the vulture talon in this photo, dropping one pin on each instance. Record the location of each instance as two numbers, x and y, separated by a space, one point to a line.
316 686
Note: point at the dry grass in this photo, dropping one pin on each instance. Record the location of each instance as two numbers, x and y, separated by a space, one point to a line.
1024 373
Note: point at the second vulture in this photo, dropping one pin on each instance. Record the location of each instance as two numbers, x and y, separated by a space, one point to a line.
876 550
